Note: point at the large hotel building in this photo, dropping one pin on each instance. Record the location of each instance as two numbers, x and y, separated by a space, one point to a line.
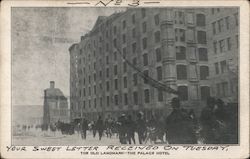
168 44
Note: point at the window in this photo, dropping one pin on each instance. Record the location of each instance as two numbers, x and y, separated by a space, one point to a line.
125 99
84 92
107 101
146 96
159 73
183 93
236 18
95 102
205 92
89 91
214 27
157 37
227 22
158 54
201 20
100 101
115 70
215 47
223 66
125 82
115 43
107 72
135 79
89 79
107 85
180 53
190 35
100 85
160 96
145 72
212 10
89 103
179 17
84 104
135 95
204 72
116 84
144 27
202 39
107 60
133 18
116 100
145 59
144 43
124 67
114 29
229 44
143 12
134 47
203 54
157 19
220 25
124 24
133 32
123 38
190 18
180 35
222 45
216 66
181 72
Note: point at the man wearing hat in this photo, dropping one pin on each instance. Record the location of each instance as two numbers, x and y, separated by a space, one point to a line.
179 127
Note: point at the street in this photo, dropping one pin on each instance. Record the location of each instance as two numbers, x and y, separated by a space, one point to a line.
44 138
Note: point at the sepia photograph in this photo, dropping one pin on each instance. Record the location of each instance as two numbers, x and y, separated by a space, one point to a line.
124 76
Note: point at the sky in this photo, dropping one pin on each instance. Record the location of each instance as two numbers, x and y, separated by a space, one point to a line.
41 38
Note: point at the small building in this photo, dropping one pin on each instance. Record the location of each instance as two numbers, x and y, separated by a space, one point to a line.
55 105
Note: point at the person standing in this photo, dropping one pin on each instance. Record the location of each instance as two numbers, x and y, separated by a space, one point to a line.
179 127
208 122
141 127
100 127
130 129
84 128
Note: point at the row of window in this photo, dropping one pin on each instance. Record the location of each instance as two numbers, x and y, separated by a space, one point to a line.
224 45
222 89
224 24
184 95
220 67
181 75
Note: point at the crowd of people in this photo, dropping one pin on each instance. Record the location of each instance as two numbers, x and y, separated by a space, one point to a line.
217 124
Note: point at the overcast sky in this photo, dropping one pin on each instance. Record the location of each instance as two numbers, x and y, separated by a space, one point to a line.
40 41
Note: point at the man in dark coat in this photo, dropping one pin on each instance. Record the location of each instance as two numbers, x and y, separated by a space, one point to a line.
208 122
130 126
141 127
100 127
179 128
84 128
122 128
